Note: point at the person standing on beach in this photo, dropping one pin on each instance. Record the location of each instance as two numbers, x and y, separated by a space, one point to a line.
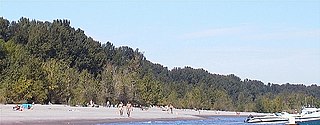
171 109
91 103
120 106
129 109
108 104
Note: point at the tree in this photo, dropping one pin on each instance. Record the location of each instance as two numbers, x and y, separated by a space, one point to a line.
52 61
4 29
222 100
193 98
150 91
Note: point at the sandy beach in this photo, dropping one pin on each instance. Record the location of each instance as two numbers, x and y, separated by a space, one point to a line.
66 115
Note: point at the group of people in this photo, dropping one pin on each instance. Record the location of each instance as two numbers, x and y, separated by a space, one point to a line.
128 108
168 108
22 107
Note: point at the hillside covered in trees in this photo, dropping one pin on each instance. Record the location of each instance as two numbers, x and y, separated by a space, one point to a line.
45 62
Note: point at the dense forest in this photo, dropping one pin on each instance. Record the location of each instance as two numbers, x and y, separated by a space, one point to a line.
45 62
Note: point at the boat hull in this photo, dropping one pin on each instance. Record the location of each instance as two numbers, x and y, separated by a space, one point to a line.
267 120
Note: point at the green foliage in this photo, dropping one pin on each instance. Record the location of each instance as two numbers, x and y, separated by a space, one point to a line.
149 91
45 62
193 98
222 100
4 28
22 75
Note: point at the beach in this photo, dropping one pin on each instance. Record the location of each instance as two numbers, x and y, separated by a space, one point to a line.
67 115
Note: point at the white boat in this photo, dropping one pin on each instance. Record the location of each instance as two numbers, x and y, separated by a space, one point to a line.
276 118
309 114
306 115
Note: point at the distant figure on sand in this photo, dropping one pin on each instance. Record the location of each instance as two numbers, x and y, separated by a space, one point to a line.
108 104
17 108
91 103
120 106
171 109
22 107
129 109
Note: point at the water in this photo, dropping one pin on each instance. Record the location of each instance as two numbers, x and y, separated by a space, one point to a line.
209 121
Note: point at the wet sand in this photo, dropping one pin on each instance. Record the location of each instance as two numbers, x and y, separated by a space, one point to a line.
66 115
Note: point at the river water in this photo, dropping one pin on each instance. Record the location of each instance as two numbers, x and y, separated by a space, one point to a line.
209 121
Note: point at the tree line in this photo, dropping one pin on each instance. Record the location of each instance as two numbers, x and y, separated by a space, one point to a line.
45 62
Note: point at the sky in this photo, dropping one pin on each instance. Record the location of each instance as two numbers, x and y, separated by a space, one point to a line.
268 40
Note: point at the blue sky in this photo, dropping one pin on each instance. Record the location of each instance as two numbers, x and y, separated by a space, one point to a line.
272 41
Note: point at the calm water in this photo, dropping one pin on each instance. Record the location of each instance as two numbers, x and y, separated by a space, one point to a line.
209 121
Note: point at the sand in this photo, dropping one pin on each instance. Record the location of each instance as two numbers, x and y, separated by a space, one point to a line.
65 115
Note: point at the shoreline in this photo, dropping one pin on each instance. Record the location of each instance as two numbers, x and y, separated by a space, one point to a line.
66 115
92 122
